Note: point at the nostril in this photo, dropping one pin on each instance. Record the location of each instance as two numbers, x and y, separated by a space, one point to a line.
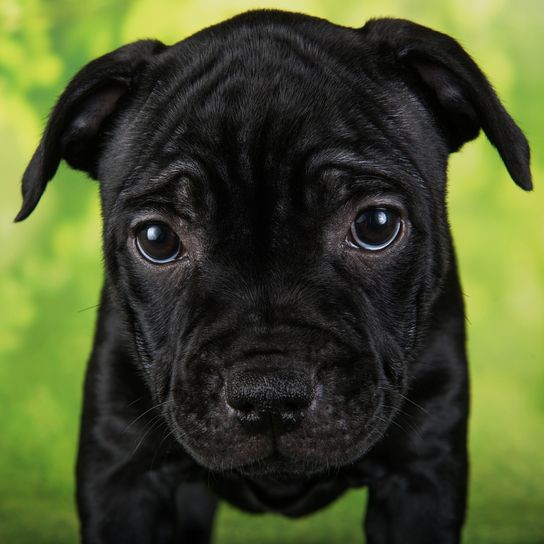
245 407
241 405
291 406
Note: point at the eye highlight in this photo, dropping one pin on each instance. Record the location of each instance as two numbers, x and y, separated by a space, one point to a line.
158 243
374 228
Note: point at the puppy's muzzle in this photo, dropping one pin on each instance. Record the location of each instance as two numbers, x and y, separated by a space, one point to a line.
268 399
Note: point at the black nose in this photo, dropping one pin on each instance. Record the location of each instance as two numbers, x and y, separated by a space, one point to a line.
265 398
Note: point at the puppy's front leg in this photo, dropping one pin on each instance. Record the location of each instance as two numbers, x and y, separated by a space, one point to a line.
132 477
136 494
420 494
119 506
196 507
144 509
425 506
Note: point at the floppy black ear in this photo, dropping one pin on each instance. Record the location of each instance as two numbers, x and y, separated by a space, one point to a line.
463 98
75 125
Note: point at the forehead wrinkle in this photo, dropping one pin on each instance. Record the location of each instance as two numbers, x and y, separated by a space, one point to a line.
344 159
188 169
264 54
169 189
181 97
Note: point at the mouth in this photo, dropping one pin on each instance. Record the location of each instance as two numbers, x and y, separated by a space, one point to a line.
278 468
277 483
279 458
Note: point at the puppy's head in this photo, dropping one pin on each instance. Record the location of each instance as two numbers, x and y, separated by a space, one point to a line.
274 221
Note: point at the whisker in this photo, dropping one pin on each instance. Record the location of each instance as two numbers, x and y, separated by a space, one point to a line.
154 407
165 436
411 427
154 425
134 402
413 402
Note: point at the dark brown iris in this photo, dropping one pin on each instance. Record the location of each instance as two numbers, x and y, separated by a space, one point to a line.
375 228
158 243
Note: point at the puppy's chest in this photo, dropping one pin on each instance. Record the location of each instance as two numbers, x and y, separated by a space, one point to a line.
292 498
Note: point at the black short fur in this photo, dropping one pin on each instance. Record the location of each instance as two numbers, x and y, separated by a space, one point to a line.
259 140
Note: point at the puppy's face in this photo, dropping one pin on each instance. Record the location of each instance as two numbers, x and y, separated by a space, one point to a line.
275 232
270 237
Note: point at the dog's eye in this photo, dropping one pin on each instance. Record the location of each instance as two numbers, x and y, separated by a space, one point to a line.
158 243
374 229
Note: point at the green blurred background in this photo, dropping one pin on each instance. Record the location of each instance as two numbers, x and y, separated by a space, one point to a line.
50 266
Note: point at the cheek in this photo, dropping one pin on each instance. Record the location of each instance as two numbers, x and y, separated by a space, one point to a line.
394 293
156 314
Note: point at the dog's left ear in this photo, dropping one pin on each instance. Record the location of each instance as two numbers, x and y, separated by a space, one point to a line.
76 124
462 98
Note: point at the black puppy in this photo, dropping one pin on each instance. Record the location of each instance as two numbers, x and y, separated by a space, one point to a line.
281 317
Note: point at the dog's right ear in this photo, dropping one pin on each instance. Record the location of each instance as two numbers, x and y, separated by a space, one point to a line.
75 126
